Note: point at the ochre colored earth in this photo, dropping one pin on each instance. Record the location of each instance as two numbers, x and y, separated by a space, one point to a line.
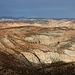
37 48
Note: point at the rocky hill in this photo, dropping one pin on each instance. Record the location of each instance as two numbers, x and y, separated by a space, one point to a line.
35 47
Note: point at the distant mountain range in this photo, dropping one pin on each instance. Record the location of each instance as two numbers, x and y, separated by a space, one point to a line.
10 17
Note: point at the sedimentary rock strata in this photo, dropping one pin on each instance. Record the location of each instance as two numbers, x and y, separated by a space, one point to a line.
26 47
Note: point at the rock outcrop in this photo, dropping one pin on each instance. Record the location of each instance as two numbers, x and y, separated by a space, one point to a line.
37 49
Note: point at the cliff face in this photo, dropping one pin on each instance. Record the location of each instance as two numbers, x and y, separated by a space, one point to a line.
36 48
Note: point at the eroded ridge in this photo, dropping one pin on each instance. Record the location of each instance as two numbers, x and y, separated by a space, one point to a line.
36 47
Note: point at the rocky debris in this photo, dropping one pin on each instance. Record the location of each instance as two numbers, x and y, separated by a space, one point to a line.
32 49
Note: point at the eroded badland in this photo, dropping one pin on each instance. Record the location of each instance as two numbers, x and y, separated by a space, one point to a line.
34 47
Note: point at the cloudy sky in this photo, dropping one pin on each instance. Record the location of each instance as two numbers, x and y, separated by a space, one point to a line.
38 8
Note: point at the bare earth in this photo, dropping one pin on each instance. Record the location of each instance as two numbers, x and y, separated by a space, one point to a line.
35 47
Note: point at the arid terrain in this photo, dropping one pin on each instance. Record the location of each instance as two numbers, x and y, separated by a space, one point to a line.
37 46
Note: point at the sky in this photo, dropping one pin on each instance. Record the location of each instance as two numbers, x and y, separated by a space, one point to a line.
38 8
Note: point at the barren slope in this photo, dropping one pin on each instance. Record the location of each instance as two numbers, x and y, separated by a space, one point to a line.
32 47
